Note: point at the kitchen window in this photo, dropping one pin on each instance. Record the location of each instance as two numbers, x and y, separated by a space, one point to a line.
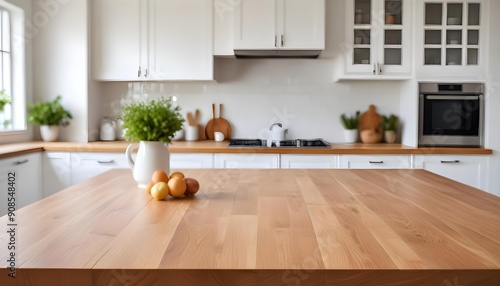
12 69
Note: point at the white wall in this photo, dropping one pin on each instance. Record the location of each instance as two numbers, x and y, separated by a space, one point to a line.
60 60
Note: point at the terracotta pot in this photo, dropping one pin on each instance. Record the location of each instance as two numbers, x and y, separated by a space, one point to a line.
390 136
370 136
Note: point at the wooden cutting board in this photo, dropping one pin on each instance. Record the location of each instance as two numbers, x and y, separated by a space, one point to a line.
217 124
370 120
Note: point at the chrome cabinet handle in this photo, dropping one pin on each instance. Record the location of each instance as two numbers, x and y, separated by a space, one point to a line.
450 162
139 72
21 162
275 41
376 162
106 162
282 40
146 73
374 69
379 68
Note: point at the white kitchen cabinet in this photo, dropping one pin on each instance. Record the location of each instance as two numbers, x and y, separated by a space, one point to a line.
56 172
191 161
152 40
375 162
302 161
467 169
246 161
453 36
85 165
25 172
378 39
279 24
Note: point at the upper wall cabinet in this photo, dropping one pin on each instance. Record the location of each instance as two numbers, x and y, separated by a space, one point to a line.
453 37
152 40
279 24
378 41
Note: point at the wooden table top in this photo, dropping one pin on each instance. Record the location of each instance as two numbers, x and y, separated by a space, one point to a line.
261 227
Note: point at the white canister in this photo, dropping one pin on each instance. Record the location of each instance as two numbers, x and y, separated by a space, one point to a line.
218 136
191 133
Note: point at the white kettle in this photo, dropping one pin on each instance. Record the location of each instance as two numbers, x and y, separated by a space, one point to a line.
277 134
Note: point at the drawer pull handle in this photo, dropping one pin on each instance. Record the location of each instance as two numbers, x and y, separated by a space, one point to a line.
450 162
376 162
106 162
21 162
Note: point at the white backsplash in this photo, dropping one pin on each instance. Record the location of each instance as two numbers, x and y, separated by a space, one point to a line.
257 93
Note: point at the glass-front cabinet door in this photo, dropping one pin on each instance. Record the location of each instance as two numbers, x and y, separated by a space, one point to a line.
377 37
452 33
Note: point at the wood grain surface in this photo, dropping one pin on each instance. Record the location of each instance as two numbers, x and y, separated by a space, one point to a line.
262 227
209 146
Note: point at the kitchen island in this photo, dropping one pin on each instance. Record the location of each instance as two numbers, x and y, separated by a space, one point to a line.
260 227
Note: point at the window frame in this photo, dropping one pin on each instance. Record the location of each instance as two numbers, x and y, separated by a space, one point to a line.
18 68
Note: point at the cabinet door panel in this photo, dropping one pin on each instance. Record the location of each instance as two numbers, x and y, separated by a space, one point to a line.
190 161
289 161
87 165
56 172
26 174
375 162
116 39
469 170
180 40
303 24
255 24
246 161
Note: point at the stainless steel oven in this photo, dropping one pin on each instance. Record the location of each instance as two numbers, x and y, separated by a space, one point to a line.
451 114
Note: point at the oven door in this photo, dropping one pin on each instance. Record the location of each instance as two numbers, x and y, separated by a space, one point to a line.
451 120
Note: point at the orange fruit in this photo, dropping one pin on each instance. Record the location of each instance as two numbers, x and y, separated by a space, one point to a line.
177 174
159 176
176 187
149 186
192 186
159 191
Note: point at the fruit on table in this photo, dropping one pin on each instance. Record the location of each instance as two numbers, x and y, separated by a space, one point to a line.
192 186
177 174
177 187
160 191
159 176
149 186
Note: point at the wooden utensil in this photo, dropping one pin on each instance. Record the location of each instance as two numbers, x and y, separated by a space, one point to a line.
190 119
210 127
201 129
223 125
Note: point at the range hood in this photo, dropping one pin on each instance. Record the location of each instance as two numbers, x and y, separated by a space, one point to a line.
304 54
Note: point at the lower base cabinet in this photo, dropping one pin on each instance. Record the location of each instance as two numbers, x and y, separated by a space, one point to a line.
22 174
246 161
466 169
191 161
85 165
56 172
299 161
375 162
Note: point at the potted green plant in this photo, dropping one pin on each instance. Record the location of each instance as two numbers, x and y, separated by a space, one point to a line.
389 125
350 124
50 115
153 124
4 99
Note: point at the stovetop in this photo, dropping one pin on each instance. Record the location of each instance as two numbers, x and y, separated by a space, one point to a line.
292 143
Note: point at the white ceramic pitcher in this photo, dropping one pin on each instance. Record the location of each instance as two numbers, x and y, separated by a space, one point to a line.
151 156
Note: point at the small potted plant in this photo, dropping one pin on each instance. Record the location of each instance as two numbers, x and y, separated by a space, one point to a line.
351 127
389 125
153 124
50 115
4 99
